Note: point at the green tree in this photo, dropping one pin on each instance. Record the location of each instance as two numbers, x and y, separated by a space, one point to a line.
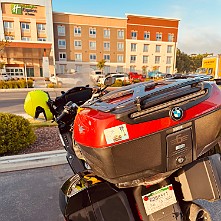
3 44
188 63
183 62
101 64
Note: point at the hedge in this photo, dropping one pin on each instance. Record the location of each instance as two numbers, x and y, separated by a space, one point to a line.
16 133
21 83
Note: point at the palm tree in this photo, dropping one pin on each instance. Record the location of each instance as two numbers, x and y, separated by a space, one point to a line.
101 64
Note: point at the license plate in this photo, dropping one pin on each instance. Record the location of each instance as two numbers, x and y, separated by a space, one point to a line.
159 199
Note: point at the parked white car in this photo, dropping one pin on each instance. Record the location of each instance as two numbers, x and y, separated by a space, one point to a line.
71 80
117 76
95 75
4 77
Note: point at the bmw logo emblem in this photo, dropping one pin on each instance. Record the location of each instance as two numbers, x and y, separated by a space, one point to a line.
176 113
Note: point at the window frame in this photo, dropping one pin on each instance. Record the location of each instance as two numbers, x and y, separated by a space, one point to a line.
120 34
8 22
76 55
146 33
106 48
106 55
157 59
63 58
108 33
59 28
134 35
133 47
159 36
26 24
92 32
171 47
145 61
158 48
62 46
120 60
76 31
146 46
91 57
92 48
134 58
76 46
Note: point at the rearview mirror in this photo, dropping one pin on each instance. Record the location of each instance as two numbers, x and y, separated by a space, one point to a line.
109 81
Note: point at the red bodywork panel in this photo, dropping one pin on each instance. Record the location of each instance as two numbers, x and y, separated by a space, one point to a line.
90 124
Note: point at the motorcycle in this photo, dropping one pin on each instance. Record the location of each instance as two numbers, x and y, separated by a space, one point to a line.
144 152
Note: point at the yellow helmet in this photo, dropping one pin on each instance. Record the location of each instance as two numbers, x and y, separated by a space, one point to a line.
36 103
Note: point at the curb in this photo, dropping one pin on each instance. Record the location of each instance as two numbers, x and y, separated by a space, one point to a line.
33 160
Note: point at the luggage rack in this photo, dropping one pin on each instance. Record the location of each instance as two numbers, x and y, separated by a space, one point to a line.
143 95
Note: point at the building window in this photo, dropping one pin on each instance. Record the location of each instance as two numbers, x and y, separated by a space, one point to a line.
92 45
133 58
107 46
145 59
92 32
169 49
120 46
170 37
157 59
94 67
61 30
77 44
41 28
158 47
158 36
42 39
106 69
134 35
61 43
120 69
25 26
26 39
132 68
8 25
78 57
145 47
9 37
93 57
14 71
62 68
133 47
78 67
146 35
169 59
77 31
62 56
120 58
107 57
120 34
168 70
106 33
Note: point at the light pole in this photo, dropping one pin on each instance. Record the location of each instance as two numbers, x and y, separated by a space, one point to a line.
25 72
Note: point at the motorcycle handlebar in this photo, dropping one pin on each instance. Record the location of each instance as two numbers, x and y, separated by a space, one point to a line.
69 108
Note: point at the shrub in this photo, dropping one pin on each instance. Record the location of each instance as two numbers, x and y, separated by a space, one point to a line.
16 133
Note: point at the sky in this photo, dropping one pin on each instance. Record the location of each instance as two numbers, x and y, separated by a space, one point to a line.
199 26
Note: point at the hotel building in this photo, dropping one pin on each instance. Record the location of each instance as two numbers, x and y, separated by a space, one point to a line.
27 25
135 43
43 42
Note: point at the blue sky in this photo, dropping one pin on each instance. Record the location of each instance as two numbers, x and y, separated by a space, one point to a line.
200 20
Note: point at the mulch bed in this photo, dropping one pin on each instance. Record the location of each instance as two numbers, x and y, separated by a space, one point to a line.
47 139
